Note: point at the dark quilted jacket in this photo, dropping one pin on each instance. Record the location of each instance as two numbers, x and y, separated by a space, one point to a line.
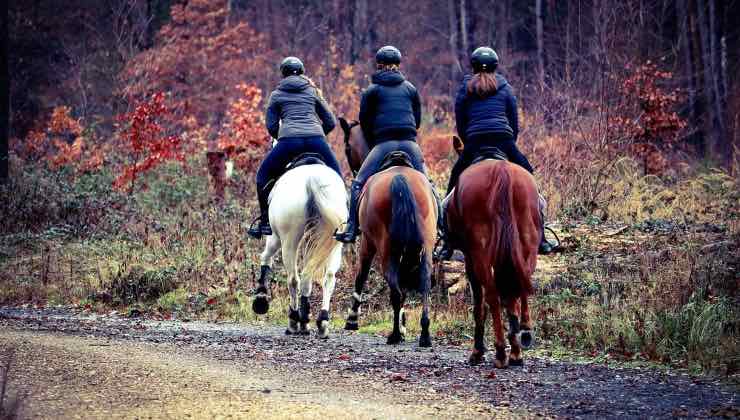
390 109
496 114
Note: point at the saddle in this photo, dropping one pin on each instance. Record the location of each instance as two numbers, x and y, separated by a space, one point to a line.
303 159
489 153
396 158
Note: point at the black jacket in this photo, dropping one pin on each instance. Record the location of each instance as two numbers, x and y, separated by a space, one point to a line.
390 109
295 109
496 114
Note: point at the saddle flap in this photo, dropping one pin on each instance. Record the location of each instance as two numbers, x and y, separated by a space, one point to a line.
306 159
396 158
490 152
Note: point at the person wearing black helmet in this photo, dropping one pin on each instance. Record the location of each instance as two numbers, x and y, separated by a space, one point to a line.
299 118
390 114
486 115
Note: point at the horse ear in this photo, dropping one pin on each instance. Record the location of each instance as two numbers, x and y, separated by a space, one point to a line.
344 124
457 144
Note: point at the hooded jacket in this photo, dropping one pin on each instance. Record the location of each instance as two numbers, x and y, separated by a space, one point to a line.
496 114
295 109
390 109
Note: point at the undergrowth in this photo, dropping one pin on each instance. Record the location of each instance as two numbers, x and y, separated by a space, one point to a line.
664 288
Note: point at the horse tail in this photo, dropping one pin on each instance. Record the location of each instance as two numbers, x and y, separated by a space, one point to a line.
407 241
506 254
328 212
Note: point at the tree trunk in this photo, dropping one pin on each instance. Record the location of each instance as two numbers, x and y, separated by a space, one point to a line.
464 30
540 44
684 44
359 30
503 25
722 147
712 110
4 98
455 67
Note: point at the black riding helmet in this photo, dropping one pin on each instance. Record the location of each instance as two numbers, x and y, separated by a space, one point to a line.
291 66
484 59
388 55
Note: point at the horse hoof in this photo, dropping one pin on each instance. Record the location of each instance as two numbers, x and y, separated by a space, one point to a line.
260 305
476 358
526 339
351 326
516 362
288 331
500 364
425 341
395 339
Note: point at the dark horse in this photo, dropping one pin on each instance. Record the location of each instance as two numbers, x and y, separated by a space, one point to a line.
398 219
493 218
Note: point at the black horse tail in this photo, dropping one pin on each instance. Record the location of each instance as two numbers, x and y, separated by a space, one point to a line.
407 241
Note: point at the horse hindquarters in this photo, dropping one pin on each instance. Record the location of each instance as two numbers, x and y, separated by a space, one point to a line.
511 278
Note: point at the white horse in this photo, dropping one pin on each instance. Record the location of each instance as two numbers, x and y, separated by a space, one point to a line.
307 205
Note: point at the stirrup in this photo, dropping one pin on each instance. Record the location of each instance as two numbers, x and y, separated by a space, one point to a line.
546 247
347 237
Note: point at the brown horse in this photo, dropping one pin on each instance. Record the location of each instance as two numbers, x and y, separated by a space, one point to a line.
493 218
398 219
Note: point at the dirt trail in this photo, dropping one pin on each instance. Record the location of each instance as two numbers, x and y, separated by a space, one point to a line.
74 366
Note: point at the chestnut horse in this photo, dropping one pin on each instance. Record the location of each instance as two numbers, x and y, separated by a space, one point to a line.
398 220
493 218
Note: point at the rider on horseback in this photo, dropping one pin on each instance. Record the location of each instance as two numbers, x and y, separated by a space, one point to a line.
390 114
486 116
299 118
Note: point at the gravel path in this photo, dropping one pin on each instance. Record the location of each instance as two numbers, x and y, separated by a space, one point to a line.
71 365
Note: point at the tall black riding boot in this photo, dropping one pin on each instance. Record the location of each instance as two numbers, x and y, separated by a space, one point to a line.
263 227
545 246
350 233
445 248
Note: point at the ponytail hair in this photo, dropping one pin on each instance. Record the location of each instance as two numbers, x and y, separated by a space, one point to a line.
314 86
483 84
387 67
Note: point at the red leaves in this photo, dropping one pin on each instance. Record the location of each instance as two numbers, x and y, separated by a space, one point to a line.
145 140
653 126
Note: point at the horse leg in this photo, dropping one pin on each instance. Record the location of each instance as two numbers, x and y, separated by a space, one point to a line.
366 254
512 310
484 275
305 307
479 314
330 280
290 247
425 339
261 303
526 338
397 298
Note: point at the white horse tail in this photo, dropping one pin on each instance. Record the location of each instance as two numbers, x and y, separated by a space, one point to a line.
327 204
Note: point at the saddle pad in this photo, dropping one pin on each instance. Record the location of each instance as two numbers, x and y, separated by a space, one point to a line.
306 159
396 158
490 152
